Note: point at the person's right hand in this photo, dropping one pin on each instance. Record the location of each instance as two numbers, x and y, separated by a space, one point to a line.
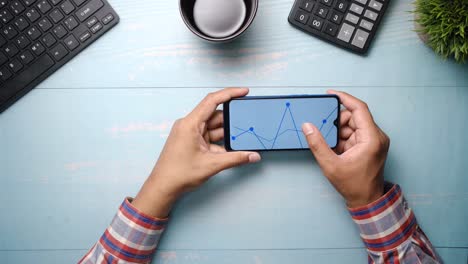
356 169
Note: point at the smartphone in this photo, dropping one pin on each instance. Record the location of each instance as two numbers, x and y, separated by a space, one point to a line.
266 123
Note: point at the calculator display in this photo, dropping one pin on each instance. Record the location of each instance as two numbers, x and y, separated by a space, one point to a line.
274 123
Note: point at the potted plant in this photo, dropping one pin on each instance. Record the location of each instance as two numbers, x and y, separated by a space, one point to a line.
443 25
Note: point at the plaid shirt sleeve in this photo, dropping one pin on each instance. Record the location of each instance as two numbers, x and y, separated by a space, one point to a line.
390 231
132 237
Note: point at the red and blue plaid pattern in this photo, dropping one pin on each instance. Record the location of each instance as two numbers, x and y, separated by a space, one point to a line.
132 237
390 231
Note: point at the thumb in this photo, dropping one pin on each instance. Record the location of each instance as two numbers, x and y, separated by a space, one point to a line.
319 147
228 160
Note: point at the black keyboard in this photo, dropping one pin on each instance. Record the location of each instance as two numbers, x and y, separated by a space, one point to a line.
39 36
348 24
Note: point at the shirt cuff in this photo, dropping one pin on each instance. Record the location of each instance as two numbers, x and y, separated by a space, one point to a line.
132 236
386 223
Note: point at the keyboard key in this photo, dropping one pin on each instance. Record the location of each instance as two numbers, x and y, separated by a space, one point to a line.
3 3
316 23
83 37
371 15
22 42
48 40
71 42
331 29
3 58
91 22
107 19
336 17
341 5
32 15
60 32
366 24
363 2
33 33
375 5
45 24
21 23
346 32
321 11
2 41
26 57
79 2
44 6
96 27
11 50
326 2
58 52
67 7
16 7
56 15
356 9
360 38
302 17
9 32
29 2
5 16
352 18
5 74
15 66
71 23
307 5
87 10
37 48
55 2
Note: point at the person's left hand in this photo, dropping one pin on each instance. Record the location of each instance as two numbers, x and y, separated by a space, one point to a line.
189 157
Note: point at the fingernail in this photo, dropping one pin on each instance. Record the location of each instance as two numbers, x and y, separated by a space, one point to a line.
308 129
254 157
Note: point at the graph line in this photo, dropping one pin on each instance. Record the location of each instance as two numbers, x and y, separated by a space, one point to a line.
280 132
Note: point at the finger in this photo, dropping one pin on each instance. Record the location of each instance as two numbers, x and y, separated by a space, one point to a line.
360 111
345 116
223 161
340 147
216 134
216 120
319 147
207 106
217 148
346 132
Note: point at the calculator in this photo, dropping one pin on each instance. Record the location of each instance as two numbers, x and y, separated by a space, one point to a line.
350 24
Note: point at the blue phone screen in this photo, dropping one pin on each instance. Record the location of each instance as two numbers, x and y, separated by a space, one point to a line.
275 123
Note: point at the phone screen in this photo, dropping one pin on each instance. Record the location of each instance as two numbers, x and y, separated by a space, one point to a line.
274 123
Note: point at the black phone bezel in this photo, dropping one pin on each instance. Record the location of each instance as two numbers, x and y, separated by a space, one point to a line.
226 114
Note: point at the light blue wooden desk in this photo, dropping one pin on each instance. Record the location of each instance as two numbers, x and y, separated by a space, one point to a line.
73 148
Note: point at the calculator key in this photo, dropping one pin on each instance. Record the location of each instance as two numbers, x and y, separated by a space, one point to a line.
60 31
331 29
360 38
21 23
71 23
26 57
37 48
45 24
346 32
71 42
48 40
58 52
366 24
316 23
11 50
336 17
371 15
96 27
302 17
356 9
5 16
341 5
5 74
15 65
375 5
306 5
107 19
67 7
32 15
362 2
85 36
33 33
16 7
22 42
56 15
321 11
44 6
352 18
327 2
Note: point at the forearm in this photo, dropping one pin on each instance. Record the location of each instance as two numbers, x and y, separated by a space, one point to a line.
131 237
390 231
